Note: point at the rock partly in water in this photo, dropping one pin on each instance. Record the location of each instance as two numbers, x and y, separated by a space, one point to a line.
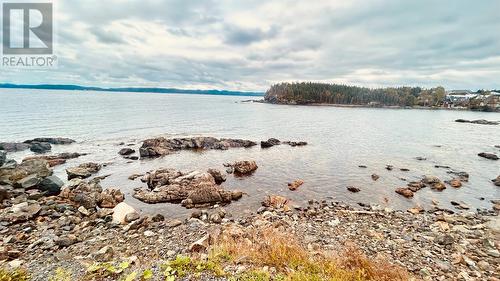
244 167
375 177
480 121
126 151
3 157
51 140
295 184
275 201
486 155
269 143
496 181
14 146
40 147
83 171
219 177
191 189
406 192
58 159
353 189
162 146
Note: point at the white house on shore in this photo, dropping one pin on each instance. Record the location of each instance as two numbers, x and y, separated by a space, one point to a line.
458 96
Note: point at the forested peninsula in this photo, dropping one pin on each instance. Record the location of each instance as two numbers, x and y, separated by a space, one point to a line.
323 93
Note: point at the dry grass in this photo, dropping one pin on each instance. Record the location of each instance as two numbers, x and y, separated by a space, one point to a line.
270 248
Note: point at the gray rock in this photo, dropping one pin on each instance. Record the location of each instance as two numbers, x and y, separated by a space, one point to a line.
51 140
83 170
13 146
51 185
3 157
30 181
40 147
490 156
126 151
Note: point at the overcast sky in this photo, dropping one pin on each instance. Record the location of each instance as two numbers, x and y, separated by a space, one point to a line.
248 45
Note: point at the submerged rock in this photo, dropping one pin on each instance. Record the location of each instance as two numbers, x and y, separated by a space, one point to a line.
83 171
162 146
480 121
486 155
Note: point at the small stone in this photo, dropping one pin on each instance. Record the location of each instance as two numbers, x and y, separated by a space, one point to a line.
104 254
353 189
149 233
130 217
83 211
201 245
375 177
66 241
174 223
295 184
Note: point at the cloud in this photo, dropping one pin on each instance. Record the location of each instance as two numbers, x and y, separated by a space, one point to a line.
244 36
250 44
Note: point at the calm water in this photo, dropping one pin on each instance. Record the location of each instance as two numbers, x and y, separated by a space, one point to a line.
339 140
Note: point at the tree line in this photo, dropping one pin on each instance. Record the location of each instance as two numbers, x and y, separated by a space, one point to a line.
312 92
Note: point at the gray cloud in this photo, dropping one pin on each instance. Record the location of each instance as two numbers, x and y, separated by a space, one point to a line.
244 36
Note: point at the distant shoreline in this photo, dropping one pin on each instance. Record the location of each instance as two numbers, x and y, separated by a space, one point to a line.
130 89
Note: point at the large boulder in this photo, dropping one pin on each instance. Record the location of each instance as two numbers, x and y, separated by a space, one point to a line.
90 194
121 211
11 175
14 146
40 147
244 167
162 146
83 171
192 189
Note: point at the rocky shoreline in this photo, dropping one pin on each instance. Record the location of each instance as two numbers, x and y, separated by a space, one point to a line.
78 228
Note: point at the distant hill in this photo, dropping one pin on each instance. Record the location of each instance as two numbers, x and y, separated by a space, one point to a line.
131 89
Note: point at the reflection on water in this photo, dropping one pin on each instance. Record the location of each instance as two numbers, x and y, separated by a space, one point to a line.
339 140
